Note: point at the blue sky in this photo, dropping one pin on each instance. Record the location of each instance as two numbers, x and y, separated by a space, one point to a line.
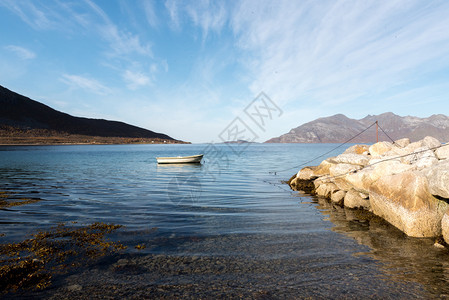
189 68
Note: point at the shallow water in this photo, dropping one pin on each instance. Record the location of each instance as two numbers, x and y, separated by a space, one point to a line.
226 228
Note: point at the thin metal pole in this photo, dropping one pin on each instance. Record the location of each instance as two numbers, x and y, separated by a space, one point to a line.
377 132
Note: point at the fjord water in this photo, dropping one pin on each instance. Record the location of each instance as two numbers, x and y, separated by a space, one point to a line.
226 228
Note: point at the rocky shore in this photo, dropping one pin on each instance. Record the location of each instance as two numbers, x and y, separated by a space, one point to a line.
405 183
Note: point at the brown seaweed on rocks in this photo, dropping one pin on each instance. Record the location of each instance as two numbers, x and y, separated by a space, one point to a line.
31 264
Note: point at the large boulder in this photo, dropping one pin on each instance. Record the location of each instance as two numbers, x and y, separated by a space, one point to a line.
354 199
339 172
402 142
443 152
430 142
325 189
418 154
363 179
413 146
438 177
425 162
353 159
337 197
380 148
307 173
404 200
357 149
323 168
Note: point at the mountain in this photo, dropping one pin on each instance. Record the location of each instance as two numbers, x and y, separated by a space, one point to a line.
339 129
18 112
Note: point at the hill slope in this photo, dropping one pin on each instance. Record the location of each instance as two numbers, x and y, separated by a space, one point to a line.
339 128
17 111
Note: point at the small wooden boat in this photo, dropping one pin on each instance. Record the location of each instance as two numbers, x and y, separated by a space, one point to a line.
180 159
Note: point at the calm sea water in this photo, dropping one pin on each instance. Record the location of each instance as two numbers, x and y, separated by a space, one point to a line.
225 228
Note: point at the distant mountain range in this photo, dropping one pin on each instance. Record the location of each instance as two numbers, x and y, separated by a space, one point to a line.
339 128
20 112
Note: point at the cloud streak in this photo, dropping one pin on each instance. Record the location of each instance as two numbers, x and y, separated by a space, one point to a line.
31 14
337 51
21 52
85 84
135 79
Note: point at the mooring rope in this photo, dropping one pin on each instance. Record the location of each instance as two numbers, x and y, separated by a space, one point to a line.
381 161
320 156
394 143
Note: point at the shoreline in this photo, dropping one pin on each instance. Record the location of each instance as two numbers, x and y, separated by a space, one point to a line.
84 144
406 184
83 140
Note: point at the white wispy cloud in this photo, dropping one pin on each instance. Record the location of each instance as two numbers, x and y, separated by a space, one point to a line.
30 13
334 52
21 52
134 80
150 13
208 15
173 12
86 84
120 41
61 16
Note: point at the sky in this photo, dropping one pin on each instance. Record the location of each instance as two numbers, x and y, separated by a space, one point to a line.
194 69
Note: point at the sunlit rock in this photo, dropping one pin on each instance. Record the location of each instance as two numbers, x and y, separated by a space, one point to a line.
326 189
402 142
380 148
353 199
337 197
357 149
353 159
443 152
404 200
430 142
438 177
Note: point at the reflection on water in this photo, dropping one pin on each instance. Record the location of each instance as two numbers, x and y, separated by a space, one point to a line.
402 257
179 167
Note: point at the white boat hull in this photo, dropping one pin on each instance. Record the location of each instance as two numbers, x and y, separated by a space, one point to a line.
180 159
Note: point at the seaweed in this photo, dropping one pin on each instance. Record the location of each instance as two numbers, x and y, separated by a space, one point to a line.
31 264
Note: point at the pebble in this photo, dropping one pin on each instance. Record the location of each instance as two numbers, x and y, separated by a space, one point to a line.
74 287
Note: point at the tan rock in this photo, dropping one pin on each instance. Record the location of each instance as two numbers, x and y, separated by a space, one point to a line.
364 196
337 197
323 168
445 227
353 159
307 173
413 146
363 179
395 152
426 162
357 149
418 154
326 189
343 169
292 182
353 199
438 177
380 148
339 172
430 142
402 142
359 181
443 152
404 200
